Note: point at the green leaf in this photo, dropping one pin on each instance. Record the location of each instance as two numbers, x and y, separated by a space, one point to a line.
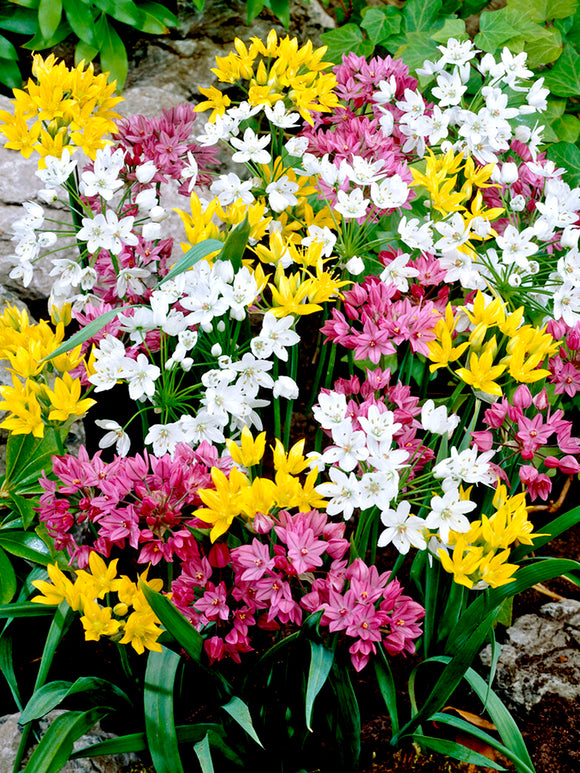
10 74
452 28
137 742
175 623
235 244
500 716
545 10
380 23
49 13
387 687
455 750
159 720
25 545
7 667
422 15
162 14
344 40
416 49
203 753
113 53
566 155
24 507
321 660
102 692
239 711
88 331
7 579
253 9
496 28
7 50
26 609
22 21
191 257
564 77
81 19
281 9
56 746
544 49
470 7
39 42
122 10
347 724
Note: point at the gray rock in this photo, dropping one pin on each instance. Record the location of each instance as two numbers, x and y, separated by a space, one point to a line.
10 738
541 656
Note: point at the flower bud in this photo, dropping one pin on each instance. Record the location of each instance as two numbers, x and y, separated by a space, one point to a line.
522 397
219 555
541 400
145 172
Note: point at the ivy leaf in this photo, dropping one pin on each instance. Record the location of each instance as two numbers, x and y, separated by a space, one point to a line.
497 28
564 77
544 49
346 40
452 28
381 23
545 10
422 15
416 49
567 155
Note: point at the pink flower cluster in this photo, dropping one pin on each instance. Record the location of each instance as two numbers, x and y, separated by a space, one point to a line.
141 501
377 319
280 575
165 140
565 366
528 428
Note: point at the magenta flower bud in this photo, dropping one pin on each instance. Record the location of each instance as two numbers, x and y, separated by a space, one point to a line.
262 523
214 648
528 474
219 555
483 440
552 462
556 328
522 397
541 400
573 339
569 465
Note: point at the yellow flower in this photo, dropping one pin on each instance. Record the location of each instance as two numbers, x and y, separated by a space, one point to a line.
216 102
260 497
142 632
224 503
103 578
494 571
25 412
57 590
293 462
464 561
98 621
442 351
65 399
290 295
482 373
250 451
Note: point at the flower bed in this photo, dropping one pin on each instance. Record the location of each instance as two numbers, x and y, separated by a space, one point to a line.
370 340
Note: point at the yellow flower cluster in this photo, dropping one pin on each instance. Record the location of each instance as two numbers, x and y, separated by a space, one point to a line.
60 108
275 71
300 292
480 556
138 627
241 496
42 392
518 352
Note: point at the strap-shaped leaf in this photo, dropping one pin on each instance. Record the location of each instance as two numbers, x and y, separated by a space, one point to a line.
159 720
321 660
101 692
88 331
174 622
7 579
387 687
191 257
455 750
26 545
56 746
239 711
203 753
25 609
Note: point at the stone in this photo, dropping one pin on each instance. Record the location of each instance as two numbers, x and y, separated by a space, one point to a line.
540 657
10 738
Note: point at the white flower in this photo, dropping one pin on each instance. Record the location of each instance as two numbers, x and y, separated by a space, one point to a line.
190 171
279 117
145 172
403 530
349 449
57 170
285 387
275 336
397 272
355 265
251 148
281 194
449 89
296 146
331 409
390 193
436 420
343 492
448 513
322 235
164 437
418 237
351 205
228 188
379 425
141 375
116 434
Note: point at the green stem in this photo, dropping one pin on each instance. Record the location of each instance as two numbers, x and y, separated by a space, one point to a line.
290 403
